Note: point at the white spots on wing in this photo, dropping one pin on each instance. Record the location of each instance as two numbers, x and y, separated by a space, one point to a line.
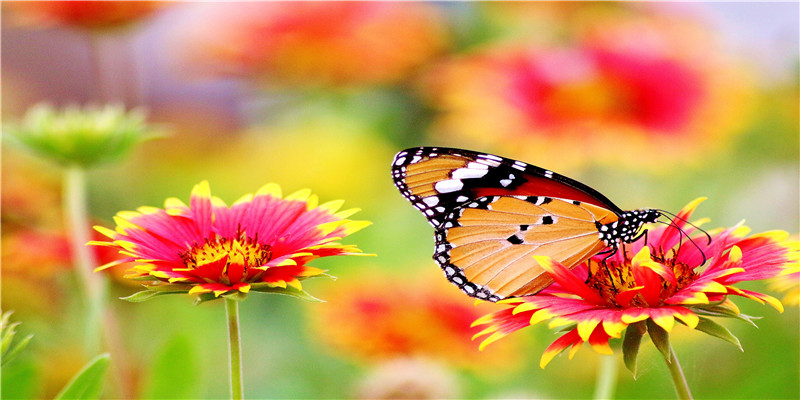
469 173
462 199
477 165
448 186
400 160
548 174
431 201
506 182
519 165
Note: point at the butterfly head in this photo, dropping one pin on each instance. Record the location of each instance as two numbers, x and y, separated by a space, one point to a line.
626 228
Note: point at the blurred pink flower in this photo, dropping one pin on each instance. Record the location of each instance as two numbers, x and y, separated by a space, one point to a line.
597 98
312 43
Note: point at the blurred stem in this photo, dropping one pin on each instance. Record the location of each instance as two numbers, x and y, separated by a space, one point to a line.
606 378
234 339
678 379
77 220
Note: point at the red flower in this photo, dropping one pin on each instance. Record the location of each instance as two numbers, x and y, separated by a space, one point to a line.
261 242
86 14
668 278
314 43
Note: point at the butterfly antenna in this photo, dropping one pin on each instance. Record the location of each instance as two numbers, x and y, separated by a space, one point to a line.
683 233
686 222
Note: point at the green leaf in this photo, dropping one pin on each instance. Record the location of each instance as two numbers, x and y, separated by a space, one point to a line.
148 294
19 380
88 382
631 343
288 291
9 355
174 373
714 329
660 338
724 312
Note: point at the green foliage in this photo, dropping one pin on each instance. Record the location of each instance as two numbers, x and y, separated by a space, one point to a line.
88 382
174 374
7 333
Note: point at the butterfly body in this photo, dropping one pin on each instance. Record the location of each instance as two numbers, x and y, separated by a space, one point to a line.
492 214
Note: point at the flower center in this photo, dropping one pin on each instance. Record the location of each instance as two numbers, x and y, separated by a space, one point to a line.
612 280
243 251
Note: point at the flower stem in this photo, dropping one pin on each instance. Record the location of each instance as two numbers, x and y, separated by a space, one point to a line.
606 378
77 220
234 339
678 379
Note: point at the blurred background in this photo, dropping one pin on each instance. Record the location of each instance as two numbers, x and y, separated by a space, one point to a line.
653 104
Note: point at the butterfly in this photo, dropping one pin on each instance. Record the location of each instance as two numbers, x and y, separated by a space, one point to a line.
492 214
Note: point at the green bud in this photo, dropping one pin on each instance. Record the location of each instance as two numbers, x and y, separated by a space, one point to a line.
81 136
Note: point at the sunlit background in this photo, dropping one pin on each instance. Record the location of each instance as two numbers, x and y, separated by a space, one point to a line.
653 104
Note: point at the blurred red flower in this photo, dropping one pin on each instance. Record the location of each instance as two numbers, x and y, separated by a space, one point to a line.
312 43
93 15
379 318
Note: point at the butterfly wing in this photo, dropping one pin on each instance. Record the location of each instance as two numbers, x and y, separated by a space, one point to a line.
486 246
436 180
492 214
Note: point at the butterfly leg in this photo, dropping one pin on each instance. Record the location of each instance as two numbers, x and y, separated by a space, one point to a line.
608 252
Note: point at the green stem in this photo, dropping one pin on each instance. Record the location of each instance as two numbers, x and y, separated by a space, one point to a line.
77 221
234 339
606 378
678 379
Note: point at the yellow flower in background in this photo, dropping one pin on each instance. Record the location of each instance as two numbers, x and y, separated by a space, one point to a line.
598 98
312 43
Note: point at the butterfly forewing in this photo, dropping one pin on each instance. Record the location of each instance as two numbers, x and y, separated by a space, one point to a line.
437 179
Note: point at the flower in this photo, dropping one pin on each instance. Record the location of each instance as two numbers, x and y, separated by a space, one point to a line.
262 243
85 137
606 98
93 15
409 378
661 279
315 43
365 320
789 283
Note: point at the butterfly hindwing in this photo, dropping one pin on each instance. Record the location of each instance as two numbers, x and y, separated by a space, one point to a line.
486 245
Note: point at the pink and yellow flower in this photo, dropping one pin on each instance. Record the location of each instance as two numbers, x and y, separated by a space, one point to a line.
789 283
263 242
666 279
314 43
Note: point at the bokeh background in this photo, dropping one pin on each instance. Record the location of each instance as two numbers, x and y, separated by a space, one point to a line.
653 104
